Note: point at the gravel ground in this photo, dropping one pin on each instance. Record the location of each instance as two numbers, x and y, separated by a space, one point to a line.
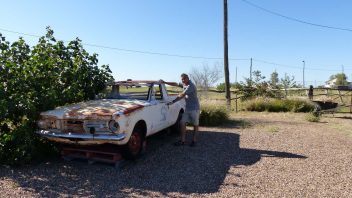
265 155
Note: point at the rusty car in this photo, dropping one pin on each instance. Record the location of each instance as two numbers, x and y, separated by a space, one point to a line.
125 116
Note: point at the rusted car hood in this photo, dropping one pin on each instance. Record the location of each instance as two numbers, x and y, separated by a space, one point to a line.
95 109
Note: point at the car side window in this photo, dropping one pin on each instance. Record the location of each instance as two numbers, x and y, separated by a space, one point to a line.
157 91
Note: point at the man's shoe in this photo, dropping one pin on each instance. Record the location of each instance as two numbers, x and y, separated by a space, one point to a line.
179 143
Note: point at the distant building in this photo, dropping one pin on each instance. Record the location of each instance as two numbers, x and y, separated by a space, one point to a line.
332 84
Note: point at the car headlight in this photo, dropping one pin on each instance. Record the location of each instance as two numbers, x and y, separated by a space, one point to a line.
49 124
42 124
114 126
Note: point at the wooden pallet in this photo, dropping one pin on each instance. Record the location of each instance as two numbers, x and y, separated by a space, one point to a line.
92 155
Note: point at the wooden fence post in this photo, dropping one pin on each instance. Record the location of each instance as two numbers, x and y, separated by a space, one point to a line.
351 104
236 100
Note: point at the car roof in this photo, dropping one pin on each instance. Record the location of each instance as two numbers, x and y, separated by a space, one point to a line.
136 82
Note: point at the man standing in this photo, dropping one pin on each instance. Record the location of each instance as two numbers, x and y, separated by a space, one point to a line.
191 114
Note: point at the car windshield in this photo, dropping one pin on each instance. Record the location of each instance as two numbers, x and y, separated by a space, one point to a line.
138 91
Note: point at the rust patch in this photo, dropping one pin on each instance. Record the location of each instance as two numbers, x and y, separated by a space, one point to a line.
73 112
50 121
132 109
94 114
103 112
120 102
74 126
50 117
96 117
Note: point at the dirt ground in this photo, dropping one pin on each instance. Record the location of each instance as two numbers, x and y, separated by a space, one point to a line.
256 155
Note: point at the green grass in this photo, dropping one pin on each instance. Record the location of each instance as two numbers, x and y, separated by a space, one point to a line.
313 117
273 129
211 115
243 124
278 105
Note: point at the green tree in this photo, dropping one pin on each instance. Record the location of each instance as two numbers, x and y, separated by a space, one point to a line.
39 78
341 79
288 82
256 87
274 79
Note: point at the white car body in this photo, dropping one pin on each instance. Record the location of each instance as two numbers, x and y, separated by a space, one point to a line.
87 123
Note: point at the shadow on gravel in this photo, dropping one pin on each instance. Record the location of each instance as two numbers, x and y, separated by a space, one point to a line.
164 169
344 117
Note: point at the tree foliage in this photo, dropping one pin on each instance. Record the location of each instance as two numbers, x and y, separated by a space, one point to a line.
274 80
259 87
39 78
288 81
341 79
255 87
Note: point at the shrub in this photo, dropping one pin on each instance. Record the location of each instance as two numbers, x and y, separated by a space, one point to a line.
36 79
21 146
277 105
212 115
220 87
313 116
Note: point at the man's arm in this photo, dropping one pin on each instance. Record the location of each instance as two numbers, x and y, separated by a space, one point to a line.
171 83
179 97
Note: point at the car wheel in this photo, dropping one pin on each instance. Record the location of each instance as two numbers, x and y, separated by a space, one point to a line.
176 128
134 146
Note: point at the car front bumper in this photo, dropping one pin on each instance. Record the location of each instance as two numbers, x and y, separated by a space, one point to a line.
82 139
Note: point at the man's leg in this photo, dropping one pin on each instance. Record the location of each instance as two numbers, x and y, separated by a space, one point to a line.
183 135
195 132
195 118
183 131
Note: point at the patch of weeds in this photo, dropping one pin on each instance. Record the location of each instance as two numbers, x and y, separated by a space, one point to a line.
273 129
213 115
313 116
279 105
243 124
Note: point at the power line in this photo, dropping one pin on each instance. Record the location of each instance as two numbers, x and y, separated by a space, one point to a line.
294 67
21 33
272 63
131 50
295 19
173 55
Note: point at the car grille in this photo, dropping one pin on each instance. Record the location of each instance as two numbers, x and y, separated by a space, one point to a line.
81 126
73 126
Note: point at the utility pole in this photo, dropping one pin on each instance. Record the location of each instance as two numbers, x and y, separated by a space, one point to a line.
285 85
226 60
250 71
304 65
236 75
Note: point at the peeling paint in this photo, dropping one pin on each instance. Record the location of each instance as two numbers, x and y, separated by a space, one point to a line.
73 117
101 109
132 109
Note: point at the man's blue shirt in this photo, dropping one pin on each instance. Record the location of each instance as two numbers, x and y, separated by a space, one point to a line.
192 102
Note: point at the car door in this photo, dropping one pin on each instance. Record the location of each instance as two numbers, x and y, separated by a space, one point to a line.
174 109
158 109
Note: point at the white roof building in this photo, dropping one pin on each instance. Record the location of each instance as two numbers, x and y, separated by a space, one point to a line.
332 83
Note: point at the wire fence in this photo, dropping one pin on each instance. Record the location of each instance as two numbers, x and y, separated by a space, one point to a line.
321 96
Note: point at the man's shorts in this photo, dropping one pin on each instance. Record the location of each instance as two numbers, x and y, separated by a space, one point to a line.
191 117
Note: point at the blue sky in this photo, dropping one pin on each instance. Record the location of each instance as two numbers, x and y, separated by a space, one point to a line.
195 28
